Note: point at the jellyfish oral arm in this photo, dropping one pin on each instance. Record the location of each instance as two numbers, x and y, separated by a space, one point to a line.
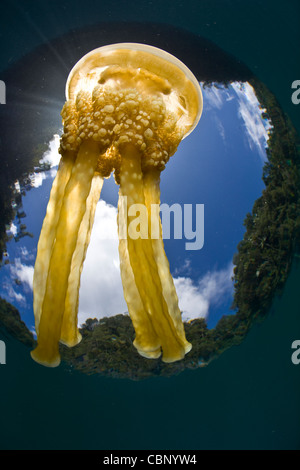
71 215
146 340
47 235
152 199
70 335
144 264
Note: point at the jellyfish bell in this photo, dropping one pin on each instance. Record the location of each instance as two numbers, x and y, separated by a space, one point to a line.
148 69
128 107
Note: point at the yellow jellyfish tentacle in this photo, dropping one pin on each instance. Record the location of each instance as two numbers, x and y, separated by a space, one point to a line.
71 215
146 340
142 260
152 201
70 334
47 235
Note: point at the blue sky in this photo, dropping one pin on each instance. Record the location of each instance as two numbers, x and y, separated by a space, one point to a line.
218 165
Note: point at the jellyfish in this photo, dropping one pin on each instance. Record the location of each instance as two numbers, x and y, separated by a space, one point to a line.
128 106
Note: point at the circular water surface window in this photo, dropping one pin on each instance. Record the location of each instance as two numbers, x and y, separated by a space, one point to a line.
229 204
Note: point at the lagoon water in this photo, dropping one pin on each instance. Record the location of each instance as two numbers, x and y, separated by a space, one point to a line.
246 399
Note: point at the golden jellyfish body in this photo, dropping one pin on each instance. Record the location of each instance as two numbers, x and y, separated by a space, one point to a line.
128 107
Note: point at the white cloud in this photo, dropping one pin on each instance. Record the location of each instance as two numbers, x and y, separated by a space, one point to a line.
213 97
25 254
185 268
14 295
36 179
22 272
191 301
196 298
214 285
250 111
32 329
51 157
101 291
13 229
220 127
10 293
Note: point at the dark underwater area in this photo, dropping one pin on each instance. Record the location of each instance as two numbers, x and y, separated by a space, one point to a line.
248 396
246 399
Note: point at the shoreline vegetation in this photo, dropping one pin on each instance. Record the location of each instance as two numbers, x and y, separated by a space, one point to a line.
262 261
